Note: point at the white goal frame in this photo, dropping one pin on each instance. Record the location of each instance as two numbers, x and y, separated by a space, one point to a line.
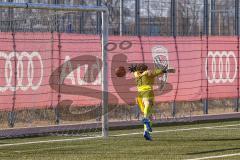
104 10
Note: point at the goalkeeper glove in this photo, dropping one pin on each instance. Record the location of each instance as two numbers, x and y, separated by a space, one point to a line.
132 68
170 70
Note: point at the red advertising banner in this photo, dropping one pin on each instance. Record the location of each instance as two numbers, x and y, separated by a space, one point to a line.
44 69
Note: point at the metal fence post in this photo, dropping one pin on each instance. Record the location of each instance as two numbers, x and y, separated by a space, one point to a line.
173 33
81 19
206 32
11 114
10 17
237 17
205 18
173 17
212 22
137 18
56 19
236 109
70 24
148 15
121 18
99 2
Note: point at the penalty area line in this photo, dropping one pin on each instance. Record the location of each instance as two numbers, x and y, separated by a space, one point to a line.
117 135
213 157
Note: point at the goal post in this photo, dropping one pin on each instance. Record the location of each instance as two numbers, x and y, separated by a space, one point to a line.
104 74
104 41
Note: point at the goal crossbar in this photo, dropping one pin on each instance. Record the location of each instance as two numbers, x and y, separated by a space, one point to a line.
104 34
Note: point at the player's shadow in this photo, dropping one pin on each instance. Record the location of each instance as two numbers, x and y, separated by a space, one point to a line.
213 151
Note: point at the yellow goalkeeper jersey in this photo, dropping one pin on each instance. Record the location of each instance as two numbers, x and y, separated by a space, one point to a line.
145 82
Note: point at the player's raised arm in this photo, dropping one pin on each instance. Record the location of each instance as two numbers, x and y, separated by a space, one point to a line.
159 72
156 72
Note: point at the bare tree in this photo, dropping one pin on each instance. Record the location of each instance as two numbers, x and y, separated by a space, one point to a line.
188 18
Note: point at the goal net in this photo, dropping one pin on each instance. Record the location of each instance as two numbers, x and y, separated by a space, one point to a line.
47 68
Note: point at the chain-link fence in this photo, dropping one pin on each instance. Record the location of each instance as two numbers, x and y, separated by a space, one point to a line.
136 17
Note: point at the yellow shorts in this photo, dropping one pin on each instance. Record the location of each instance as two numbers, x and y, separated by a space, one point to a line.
143 101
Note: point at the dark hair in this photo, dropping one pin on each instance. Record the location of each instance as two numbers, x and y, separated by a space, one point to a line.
142 67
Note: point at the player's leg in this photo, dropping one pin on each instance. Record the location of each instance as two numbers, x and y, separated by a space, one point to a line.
144 110
148 104
146 120
140 103
151 112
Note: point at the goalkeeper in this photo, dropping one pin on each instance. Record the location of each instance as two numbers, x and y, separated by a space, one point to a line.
145 98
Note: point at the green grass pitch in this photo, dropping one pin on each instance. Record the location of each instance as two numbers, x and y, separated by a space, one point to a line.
192 141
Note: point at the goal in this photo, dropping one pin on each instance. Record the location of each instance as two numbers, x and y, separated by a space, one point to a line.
49 74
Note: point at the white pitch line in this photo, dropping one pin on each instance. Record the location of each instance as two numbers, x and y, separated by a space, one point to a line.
175 130
118 135
222 128
48 141
213 157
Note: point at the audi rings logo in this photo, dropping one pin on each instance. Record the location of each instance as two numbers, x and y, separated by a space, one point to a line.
222 67
25 68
